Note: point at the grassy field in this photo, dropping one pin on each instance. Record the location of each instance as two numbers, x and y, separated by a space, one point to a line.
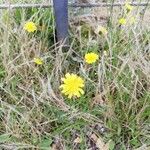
114 111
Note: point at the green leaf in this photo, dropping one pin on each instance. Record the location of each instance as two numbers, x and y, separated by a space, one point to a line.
4 138
111 145
119 130
45 144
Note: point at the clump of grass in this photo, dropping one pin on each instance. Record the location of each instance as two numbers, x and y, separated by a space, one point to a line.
115 105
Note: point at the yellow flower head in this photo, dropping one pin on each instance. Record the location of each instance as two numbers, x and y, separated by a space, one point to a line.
101 29
122 21
30 27
91 58
128 7
72 85
38 61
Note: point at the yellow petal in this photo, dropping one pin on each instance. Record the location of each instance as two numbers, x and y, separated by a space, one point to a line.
122 21
30 26
38 61
70 96
67 75
81 91
128 7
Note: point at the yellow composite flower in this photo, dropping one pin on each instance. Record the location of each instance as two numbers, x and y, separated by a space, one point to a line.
38 61
72 85
101 29
122 21
30 26
91 58
128 7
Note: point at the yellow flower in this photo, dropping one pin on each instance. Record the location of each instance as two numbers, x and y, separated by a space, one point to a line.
91 58
72 85
122 21
128 7
30 27
101 29
38 61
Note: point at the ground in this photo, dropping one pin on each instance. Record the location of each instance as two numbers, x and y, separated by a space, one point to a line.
114 111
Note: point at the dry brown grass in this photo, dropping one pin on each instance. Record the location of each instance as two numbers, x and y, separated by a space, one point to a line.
116 102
